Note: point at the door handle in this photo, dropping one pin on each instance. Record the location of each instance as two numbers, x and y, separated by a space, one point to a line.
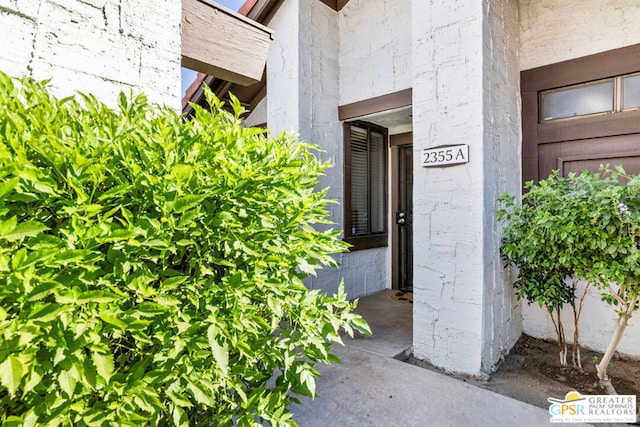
401 217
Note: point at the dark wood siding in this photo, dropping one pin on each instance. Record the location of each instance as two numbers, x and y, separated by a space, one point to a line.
574 144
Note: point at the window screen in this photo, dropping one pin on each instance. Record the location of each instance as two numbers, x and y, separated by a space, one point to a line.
365 185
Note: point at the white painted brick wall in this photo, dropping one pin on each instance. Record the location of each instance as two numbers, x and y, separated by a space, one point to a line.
302 77
375 48
97 46
448 262
18 27
554 31
283 70
465 80
557 31
465 90
502 172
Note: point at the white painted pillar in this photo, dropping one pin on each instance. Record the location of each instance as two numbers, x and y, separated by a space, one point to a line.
303 89
465 91
302 76
302 81
283 70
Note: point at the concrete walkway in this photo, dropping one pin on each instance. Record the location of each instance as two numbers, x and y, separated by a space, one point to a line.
371 388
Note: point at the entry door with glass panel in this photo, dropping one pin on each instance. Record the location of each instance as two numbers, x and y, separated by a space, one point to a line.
606 98
582 113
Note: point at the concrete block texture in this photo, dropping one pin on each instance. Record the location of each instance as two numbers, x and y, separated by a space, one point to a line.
465 318
555 31
502 318
303 81
97 46
375 48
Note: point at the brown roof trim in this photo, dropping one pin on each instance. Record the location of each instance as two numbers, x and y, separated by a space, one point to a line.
341 3
195 92
335 4
246 7
261 11
401 98
192 89
259 97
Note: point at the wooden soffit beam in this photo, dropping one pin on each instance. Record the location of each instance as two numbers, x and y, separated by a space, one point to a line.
222 43
390 101
335 4
341 3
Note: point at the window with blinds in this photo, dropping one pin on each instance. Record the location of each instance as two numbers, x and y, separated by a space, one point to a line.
365 185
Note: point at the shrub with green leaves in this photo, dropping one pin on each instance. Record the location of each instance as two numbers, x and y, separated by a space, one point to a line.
584 226
151 269
543 239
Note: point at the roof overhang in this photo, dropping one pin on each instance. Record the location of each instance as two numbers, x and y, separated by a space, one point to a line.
335 4
222 43
257 12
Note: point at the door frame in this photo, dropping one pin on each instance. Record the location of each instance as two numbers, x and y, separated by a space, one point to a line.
574 71
394 142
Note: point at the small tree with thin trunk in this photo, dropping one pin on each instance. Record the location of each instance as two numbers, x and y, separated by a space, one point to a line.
584 226
613 236
539 244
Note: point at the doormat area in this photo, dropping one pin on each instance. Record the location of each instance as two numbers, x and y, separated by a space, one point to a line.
402 296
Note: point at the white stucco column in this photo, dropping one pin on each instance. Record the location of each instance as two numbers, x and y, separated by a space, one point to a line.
303 96
302 79
283 65
465 91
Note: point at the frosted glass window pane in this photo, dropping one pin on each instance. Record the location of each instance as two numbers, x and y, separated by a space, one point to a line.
577 101
631 92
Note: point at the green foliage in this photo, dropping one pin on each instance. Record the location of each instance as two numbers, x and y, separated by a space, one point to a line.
151 270
586 225
613 234
540 238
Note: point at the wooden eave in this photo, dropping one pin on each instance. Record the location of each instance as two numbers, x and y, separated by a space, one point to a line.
336 5
222 43
261 12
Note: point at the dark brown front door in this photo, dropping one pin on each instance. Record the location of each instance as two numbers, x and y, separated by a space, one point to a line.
582 113
578 155
404 217
402 211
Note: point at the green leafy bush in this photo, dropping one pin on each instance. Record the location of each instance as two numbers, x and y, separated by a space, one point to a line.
583 226
543 239
150 269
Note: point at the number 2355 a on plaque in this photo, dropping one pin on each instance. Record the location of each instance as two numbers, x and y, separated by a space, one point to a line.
445 156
